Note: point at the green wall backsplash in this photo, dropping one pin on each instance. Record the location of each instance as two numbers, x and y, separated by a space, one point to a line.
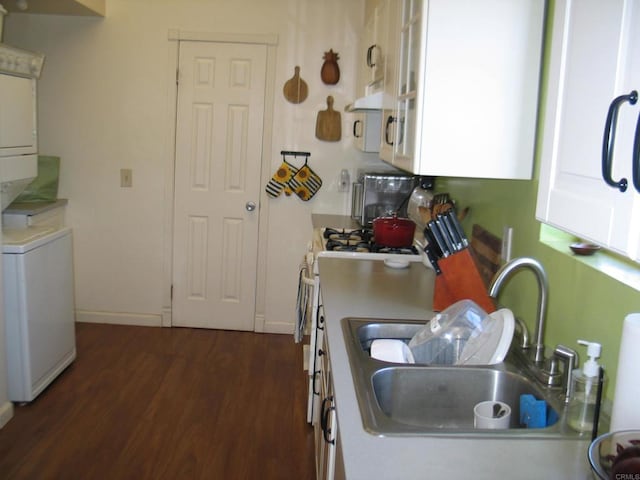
583 303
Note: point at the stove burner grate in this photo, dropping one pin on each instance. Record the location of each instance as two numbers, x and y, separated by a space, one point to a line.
360 240
348 235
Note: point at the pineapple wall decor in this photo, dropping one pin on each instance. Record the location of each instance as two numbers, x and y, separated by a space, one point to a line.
330 71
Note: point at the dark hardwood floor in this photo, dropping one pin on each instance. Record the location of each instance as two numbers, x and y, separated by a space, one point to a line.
167 403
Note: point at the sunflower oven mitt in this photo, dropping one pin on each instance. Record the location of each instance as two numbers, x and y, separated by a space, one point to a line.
279 181
305 183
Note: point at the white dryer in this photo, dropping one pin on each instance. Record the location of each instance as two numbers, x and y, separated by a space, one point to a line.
37 269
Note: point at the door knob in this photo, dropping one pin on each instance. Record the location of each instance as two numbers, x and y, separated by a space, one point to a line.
250 206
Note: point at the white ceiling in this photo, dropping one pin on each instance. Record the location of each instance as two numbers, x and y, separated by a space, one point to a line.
58 7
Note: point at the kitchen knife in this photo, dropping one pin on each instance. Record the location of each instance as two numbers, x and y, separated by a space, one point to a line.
451 231
435 250
431 255
456 225
437 236
445 236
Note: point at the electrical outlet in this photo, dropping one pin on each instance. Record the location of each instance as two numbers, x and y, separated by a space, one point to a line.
507 239
126 177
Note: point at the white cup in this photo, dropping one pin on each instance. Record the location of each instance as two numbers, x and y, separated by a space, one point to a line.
483 415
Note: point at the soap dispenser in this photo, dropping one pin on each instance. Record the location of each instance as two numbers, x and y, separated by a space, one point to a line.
584 390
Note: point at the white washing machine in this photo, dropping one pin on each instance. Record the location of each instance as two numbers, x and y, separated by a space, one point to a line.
37 269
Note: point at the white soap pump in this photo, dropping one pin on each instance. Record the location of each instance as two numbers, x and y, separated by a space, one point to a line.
584 389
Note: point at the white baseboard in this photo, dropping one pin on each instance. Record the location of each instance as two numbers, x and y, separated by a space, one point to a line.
166 316
139 319
278 327
6 413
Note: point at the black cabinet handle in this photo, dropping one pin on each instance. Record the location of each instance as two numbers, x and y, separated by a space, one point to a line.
319 319
324 420
313 386
370 62
355 128
636 157
609 139
390 120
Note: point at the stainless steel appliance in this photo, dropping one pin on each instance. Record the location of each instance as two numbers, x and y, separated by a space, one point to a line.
381 194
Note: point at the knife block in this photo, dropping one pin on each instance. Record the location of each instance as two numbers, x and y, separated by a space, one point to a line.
460 280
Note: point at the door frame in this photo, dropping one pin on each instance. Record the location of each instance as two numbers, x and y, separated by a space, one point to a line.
174 37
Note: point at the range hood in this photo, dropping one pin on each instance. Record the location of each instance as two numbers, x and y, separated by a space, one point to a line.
373 101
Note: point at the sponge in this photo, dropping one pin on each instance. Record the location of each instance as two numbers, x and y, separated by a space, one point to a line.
533 413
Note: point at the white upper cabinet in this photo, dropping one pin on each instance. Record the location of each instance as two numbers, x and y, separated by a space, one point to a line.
589 172
467 88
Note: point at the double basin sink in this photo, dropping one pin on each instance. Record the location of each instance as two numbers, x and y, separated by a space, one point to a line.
402 399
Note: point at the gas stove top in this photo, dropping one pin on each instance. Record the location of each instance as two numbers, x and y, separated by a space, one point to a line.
358 243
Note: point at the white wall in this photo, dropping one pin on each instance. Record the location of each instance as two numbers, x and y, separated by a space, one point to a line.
104 106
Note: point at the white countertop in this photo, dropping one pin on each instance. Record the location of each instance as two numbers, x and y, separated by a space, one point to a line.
366 288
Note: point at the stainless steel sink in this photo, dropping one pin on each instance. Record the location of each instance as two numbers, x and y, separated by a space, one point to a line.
403 399
444 397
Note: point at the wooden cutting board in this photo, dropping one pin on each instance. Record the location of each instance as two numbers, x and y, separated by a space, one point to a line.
295 89
487 252
329 123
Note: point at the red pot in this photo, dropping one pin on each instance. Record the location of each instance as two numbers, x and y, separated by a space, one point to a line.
393 231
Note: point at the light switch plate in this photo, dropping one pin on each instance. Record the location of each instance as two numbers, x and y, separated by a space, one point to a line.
126 177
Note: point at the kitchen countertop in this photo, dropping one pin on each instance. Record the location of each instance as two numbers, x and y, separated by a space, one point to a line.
366 288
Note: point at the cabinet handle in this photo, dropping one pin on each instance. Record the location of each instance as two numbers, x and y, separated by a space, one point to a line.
320 319
390 120
324 420
636 157
370 62
315 375
609 139
355 129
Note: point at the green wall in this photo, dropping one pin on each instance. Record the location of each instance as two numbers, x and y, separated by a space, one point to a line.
583 302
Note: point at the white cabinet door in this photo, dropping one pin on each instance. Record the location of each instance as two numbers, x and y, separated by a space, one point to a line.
326 430
595 59
468 87
410 53
389 128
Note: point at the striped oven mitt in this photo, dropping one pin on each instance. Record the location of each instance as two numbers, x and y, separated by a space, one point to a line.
280 181
305 183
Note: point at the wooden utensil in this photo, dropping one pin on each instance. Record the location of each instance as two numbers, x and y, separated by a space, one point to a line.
295 89
329 123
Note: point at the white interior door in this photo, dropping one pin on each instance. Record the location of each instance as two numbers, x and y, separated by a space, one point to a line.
217 184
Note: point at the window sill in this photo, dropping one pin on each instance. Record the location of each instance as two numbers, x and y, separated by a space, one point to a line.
618 268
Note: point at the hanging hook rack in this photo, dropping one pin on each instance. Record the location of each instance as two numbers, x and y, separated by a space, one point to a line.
295 154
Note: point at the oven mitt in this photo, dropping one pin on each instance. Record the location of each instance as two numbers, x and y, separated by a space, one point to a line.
305 183
279 181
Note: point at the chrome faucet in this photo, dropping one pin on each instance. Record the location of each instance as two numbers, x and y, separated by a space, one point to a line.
505 272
